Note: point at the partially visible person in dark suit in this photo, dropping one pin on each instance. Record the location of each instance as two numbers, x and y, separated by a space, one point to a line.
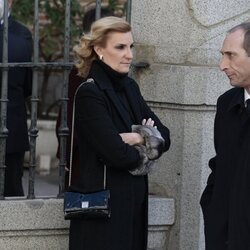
225 201
74 81
105 110
89 17
19 88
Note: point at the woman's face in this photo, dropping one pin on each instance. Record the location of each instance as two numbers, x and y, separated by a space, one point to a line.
118 51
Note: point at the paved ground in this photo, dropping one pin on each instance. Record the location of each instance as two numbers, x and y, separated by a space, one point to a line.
45 185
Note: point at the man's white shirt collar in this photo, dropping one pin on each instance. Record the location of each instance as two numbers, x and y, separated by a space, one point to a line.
246 95
1 21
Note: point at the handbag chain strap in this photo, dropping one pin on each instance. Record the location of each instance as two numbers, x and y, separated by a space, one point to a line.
90 80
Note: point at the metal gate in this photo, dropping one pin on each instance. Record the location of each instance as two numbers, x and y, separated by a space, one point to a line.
36 65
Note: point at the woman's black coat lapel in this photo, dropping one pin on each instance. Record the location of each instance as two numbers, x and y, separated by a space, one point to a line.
134 102
105 85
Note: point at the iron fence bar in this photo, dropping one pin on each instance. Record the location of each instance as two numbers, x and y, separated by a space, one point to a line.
4 101
55 65
33 130
98 8
63 130
128 11
38 65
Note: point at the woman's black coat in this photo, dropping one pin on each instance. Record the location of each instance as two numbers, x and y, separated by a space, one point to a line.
100 117
226 199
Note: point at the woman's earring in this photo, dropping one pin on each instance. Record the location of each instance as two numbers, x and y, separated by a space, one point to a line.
101 57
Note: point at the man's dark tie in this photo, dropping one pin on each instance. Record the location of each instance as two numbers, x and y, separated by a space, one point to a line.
248 106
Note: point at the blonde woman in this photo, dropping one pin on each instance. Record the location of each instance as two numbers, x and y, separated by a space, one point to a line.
105 111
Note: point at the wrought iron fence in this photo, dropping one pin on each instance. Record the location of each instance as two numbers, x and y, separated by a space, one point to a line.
36 65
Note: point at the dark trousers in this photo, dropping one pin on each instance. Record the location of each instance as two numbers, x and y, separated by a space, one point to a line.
13 174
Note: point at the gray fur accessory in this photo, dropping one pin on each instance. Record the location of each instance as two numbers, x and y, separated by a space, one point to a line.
151 151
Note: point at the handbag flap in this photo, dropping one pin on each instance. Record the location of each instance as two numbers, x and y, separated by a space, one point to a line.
74 201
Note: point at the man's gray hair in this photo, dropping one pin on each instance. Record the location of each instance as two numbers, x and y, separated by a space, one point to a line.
246 29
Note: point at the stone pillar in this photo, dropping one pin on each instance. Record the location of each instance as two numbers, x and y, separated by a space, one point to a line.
181 42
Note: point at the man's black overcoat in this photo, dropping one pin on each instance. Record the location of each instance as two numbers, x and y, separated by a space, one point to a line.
19 85
100 117
226 199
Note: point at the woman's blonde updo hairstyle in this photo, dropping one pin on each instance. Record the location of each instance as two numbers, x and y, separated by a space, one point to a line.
97 36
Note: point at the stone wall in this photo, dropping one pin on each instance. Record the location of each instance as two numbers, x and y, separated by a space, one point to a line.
181 42
39 224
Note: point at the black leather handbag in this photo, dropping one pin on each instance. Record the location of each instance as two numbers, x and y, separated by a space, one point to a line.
86 205
79 205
